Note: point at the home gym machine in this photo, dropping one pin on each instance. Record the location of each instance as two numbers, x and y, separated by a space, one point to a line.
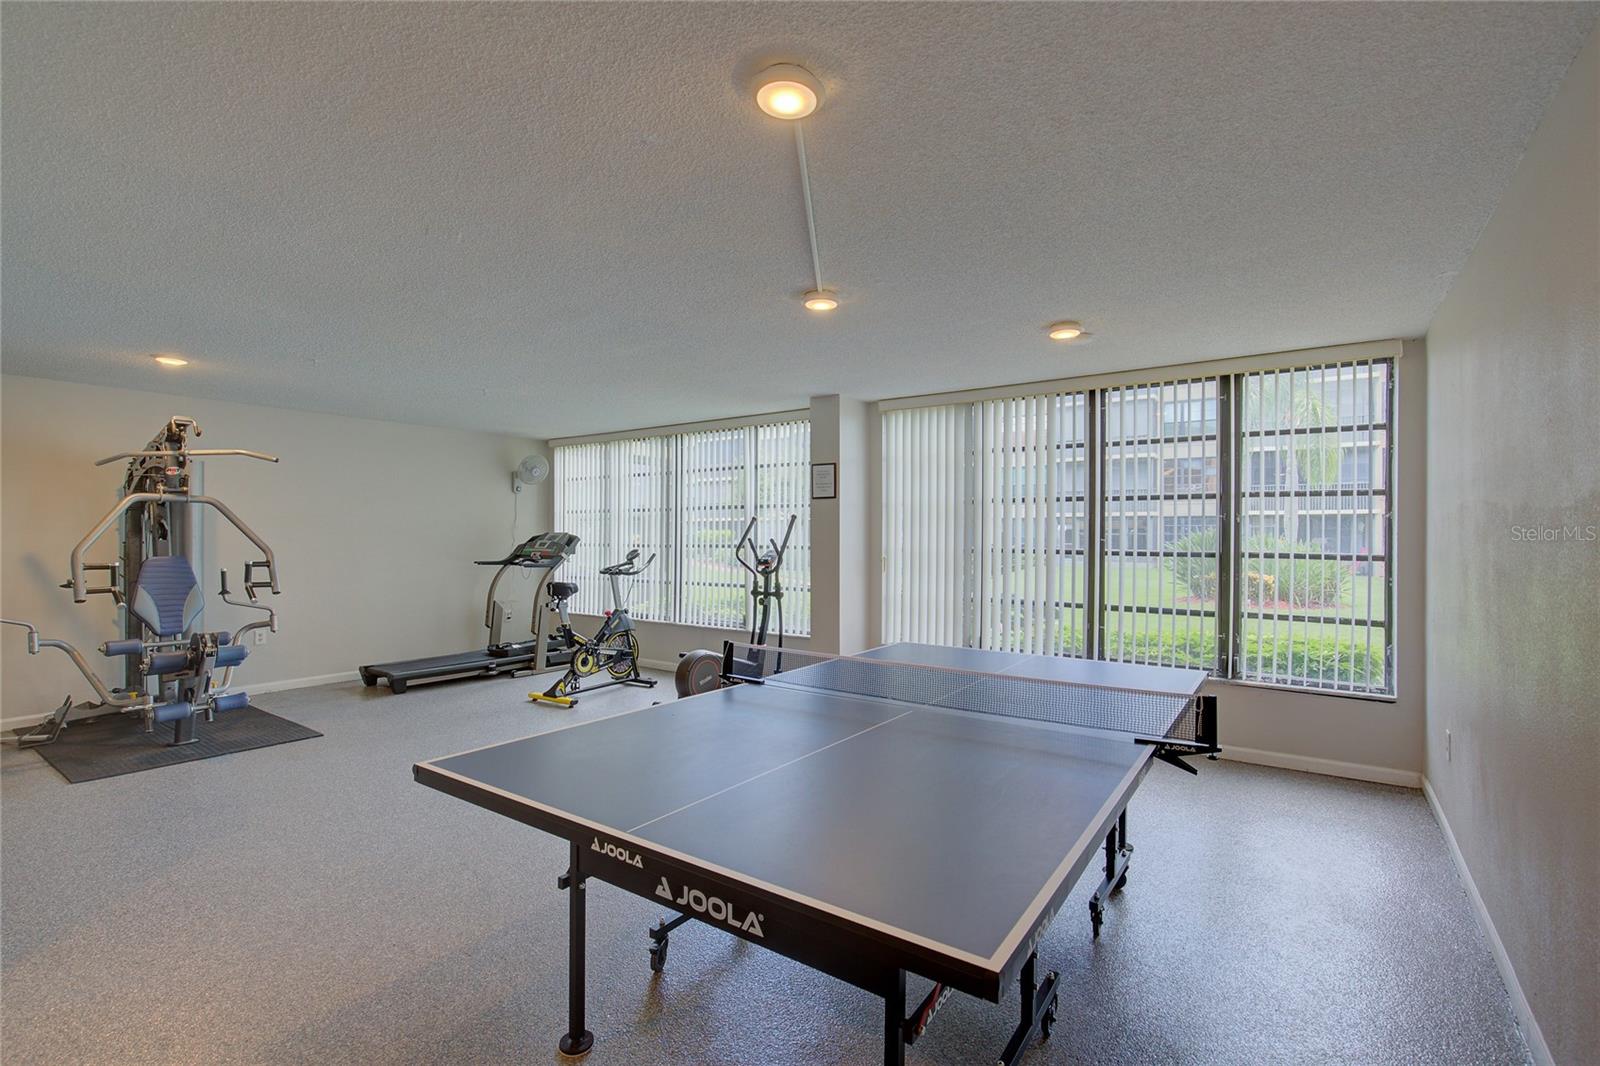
705 670
169 674
543 552
614 648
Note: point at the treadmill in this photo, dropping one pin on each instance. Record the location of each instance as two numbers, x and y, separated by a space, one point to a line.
542 551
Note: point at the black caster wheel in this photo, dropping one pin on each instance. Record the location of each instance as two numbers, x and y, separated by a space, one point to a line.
658 955
1120 882
1047 1023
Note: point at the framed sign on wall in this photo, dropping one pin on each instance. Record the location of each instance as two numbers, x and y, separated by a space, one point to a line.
824 481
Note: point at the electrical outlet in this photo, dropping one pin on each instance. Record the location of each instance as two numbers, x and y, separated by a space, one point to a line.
261 636
1447 745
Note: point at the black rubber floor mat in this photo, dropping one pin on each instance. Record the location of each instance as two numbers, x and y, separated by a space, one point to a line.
109 745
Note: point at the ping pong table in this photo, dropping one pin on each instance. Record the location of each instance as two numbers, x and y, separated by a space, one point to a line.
915 809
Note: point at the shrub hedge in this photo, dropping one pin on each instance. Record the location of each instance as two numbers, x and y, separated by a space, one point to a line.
1298 582
1304 658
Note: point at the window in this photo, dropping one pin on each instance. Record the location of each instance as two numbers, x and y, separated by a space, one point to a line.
1237 523
617 496
686 497
1314 567
1159 572
984 508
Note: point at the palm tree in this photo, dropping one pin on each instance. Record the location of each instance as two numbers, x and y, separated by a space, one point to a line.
1286 401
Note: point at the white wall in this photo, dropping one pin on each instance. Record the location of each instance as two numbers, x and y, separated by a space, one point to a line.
375 526
839 533
1513 672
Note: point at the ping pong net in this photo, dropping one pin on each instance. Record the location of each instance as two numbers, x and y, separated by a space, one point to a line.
1166 718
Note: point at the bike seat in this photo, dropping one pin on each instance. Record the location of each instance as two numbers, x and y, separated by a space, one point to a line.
562 590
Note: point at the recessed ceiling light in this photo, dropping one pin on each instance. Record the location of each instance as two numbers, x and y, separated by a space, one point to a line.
1065 331
821 300
787 91
170 360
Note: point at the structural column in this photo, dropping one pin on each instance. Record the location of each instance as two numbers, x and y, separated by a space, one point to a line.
841 578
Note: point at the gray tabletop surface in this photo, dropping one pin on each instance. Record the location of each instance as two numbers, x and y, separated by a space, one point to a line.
945 825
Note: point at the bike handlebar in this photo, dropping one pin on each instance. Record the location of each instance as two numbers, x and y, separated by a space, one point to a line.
626 568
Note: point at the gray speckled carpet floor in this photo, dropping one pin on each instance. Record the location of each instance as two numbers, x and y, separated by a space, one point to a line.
311 904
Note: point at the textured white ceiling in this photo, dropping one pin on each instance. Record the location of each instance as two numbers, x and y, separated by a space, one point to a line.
557 219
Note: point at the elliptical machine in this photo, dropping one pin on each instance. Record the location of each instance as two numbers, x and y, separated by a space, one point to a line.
155 586
614 648
705 670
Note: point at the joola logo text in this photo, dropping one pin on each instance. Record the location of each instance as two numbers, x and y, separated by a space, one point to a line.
711 907
611 851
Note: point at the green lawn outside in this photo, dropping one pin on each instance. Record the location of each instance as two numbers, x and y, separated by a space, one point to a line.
1317 653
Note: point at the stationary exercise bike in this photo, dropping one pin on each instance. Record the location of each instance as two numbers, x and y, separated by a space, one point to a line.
614 648
705 670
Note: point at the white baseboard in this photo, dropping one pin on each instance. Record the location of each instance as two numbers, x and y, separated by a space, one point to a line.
1383 775
22 721
299 682
1519 1002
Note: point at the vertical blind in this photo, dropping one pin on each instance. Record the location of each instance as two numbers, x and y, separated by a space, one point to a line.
927 519
687 497
716 505
1314 588
984 524
617 496
1160 568
783 488
1147 523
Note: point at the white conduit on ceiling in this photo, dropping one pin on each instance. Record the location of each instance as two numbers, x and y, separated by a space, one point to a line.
805 191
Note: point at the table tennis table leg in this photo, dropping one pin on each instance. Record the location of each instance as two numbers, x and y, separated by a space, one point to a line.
1038 1011
894 1021
1118 851
576 1040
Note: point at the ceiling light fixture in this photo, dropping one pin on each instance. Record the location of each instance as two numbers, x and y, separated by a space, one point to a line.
170 360
1065 331
787 91
791 92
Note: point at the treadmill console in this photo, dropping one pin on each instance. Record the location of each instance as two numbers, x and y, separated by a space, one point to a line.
544 550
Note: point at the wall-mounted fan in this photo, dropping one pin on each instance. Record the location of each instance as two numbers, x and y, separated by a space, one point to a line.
531 471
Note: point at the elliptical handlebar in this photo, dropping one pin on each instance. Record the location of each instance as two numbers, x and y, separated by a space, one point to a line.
745 538
769 561
779 549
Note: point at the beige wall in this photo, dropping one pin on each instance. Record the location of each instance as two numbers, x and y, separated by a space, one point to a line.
1514 624
375 526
